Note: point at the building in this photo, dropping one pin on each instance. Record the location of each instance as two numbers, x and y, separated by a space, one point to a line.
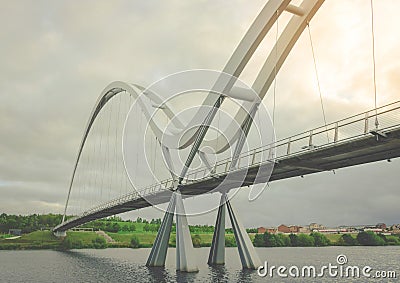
272 230
316 226
333 231
15 232
262 230
283 229
294 229
395 229
375 230
381 226
304 230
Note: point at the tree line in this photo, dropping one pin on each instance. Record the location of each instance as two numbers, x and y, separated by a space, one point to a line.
28 223
292 240
315 239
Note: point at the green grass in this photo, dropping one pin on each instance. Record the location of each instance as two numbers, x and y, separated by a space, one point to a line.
146 239
5 236
334 238
393 240
85 237
34 240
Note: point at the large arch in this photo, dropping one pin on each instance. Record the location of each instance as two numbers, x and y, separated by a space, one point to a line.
234 67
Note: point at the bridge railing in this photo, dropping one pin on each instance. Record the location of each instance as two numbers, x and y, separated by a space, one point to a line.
353 127
334 133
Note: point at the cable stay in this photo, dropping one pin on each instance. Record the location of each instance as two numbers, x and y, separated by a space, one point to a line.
374 63
275 69
318 82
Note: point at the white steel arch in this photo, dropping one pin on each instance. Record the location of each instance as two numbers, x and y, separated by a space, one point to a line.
235 65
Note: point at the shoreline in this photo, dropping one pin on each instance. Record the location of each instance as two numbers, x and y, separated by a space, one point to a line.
45 240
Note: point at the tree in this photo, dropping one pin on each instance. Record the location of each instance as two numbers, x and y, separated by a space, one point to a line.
320 240
304 240
146 227
172 241
293 240
66 243
270 240
196 241
369 238
116 227
282 240
99 243
135 243
258 240
347 240
392 240
230 242
252 230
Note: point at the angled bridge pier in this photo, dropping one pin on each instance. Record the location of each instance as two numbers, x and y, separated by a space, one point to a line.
247 253
185 258
159 250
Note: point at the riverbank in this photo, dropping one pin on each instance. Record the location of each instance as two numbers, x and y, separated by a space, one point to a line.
89 240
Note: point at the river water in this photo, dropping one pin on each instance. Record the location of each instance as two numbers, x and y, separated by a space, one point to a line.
128 265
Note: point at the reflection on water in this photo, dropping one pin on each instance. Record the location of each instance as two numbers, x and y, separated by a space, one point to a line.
128 265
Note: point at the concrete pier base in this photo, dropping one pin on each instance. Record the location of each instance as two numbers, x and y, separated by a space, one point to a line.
60 234
247 253
185 255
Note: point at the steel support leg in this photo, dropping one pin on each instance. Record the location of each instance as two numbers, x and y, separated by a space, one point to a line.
217 251
159 251
247 253
185 255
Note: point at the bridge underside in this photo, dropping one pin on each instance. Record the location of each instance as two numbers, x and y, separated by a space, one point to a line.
361 150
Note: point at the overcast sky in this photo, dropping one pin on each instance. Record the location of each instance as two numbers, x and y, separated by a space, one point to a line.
57 56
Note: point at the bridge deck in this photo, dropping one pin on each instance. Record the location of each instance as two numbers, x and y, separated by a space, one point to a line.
362 149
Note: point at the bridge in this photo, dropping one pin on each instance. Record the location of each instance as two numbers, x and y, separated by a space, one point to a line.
363 138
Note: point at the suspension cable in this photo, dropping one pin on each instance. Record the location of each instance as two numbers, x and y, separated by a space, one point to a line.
154 159
374 63
318 82
138 111
218 134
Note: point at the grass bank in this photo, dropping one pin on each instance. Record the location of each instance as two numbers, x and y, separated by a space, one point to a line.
78 240
46 240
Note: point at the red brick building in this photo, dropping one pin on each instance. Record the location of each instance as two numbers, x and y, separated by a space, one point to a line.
283 229
261 230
